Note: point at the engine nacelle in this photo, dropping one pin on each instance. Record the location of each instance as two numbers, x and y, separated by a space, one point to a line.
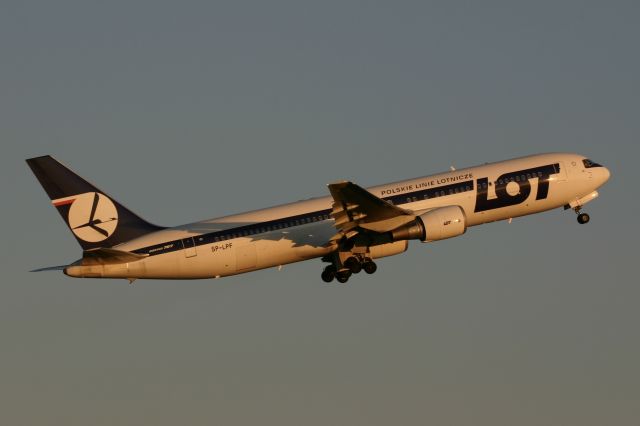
388 249
443 223
436 224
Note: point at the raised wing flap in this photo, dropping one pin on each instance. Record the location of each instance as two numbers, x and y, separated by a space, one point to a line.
354 207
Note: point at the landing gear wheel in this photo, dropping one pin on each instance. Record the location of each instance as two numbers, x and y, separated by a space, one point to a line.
369 267
343 276
583 218
328 274
353 264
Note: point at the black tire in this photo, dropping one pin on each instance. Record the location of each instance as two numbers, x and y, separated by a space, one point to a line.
353 264
370 267
343 276
327 276
583 218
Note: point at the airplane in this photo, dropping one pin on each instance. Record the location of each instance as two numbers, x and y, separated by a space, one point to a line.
348 229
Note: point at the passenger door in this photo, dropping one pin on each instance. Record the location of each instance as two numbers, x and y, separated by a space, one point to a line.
561 175
189 246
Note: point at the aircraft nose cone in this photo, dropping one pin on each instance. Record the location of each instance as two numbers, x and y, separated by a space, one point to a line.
606 174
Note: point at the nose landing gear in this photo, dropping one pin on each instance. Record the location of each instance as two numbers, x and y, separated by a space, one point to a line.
583 218
577 207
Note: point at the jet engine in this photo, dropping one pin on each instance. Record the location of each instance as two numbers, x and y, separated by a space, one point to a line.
433 225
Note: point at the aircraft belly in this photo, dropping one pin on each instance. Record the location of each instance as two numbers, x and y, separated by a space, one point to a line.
275 249
275 253
223 259
172 266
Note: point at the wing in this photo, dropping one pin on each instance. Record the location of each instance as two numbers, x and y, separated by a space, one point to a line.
356 210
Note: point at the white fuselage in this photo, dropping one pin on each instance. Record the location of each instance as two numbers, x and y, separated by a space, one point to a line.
303 230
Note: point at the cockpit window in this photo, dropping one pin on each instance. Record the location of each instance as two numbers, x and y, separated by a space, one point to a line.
588 164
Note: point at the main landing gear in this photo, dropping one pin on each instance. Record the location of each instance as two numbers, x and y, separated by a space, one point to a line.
352 265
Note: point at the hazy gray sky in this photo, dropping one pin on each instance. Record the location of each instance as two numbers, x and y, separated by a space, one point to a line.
189 110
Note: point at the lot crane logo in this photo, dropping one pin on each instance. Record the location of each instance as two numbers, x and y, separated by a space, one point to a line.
92 216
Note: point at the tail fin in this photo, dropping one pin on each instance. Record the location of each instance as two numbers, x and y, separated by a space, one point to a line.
95 219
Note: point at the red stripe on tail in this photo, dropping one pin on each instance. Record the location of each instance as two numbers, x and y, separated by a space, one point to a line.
64 202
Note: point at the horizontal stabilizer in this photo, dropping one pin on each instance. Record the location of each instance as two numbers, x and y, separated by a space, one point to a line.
99 256
50 268
108 256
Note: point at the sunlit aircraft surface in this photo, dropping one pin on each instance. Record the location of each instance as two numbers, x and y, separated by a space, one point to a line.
347 230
